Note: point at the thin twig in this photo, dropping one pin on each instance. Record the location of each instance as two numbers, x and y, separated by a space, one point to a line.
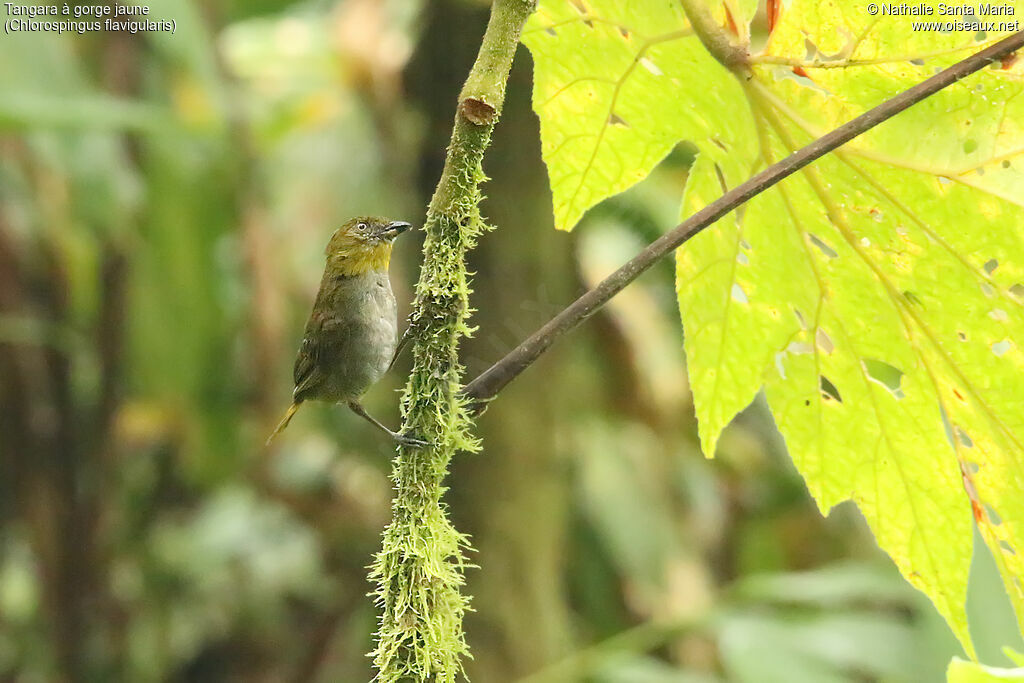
488 384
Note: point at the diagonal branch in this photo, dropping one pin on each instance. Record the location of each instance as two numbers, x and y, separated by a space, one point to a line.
489 383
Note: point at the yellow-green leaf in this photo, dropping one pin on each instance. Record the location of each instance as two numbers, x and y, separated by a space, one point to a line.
960 671
877 296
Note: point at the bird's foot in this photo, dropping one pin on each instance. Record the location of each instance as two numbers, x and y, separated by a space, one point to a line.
409 440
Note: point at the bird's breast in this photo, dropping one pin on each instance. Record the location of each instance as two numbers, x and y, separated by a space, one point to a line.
368 332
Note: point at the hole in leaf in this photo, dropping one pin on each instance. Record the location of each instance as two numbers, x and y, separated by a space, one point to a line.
824 341
943 180
616 120
1001 347
800 75
917 62
1007 548
947 428
962 336
738 294
1017 290
800 318
987 290
994 518
970 146
998 314
624 32
965 439
719 144
742 258
991 265
745 244
811 50
829 391
580 7
980 170
822 246
887 375
798 348
550 31
650 66
1006 163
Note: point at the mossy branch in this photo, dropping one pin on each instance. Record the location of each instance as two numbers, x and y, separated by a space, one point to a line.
419 570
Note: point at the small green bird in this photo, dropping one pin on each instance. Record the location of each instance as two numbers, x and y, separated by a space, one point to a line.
352 333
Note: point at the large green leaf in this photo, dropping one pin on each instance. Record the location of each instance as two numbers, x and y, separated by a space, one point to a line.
877 296
972 672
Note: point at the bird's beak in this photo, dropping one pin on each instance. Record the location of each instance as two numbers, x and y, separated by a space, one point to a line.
394 229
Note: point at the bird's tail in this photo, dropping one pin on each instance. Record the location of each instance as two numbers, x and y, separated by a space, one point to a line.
292 409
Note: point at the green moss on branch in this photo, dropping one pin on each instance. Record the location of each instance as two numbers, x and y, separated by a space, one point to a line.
419 570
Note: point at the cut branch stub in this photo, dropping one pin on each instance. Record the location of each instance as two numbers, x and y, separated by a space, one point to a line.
477 111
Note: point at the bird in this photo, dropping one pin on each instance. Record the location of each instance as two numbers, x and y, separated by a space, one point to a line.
351 338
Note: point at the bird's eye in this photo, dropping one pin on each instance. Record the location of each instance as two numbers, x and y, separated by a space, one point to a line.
361 227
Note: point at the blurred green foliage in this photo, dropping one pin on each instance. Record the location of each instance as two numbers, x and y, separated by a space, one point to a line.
164 203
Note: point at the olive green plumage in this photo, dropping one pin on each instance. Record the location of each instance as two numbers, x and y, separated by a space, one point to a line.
352 332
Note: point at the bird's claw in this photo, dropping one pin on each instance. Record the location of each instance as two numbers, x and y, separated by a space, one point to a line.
411 441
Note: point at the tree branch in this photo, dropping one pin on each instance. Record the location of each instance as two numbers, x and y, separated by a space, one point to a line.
418 572
489 383
715 39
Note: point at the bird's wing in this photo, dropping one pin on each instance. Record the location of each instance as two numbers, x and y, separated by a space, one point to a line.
325 336
309 373
307 368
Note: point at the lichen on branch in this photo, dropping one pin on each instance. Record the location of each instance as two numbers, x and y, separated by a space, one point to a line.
419 570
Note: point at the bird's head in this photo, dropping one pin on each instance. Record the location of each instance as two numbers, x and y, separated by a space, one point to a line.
363 244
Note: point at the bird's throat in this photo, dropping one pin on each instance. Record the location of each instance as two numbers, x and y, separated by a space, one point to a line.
361 261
